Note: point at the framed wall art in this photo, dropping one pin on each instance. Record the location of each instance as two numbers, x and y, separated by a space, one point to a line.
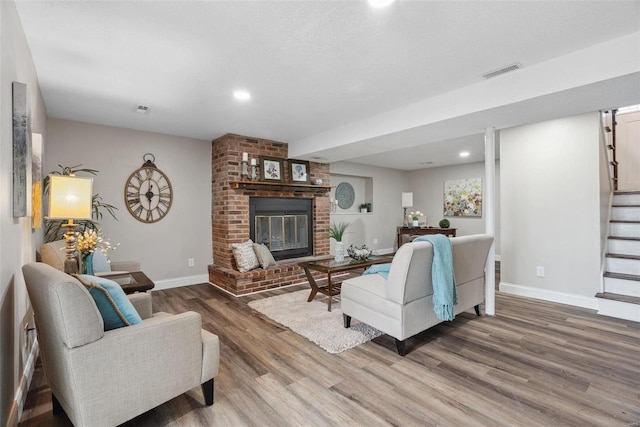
299 171
271 169
36 181
21 152
463 197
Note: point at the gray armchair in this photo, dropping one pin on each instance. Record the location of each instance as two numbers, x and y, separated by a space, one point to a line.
106 378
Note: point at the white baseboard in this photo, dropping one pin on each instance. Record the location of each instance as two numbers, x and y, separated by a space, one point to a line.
180 281
23 388
547 295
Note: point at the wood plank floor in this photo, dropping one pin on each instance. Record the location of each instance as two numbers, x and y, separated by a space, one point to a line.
533 364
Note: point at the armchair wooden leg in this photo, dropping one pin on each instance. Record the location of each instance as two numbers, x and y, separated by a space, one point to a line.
400 345
347 320
207 392
57 408
477 307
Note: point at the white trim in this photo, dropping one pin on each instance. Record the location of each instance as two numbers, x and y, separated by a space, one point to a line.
547 295
256 292
180 281
23 388
619 309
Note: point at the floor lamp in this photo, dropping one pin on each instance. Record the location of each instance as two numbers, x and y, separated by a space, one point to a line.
407 202
69 199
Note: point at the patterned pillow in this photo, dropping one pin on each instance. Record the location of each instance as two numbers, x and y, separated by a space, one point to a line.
265 258
245 256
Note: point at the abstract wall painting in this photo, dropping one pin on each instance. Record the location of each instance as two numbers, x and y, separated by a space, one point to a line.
36 181
21 152
463 197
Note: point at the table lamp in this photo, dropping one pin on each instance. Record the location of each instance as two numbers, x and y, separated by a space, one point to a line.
407 202
70 198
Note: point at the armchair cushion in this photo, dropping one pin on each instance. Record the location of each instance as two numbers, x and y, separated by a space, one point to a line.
116 309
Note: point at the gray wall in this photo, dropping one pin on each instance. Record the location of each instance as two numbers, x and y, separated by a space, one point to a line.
163 247
18 242
427 186
550 209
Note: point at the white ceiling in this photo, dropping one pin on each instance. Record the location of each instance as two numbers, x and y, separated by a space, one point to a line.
322 72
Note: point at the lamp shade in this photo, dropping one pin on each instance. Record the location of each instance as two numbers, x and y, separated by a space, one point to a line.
70 197
407 199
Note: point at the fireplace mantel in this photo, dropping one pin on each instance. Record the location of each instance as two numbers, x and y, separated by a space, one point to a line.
279 186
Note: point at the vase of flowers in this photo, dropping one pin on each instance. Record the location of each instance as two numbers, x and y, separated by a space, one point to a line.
87 242
336 231
415 218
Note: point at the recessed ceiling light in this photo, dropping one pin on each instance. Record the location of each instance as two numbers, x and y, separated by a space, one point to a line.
142 109
464 154
242 95
378 4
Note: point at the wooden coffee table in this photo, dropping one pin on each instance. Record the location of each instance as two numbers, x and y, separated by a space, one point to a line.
132 281
331 285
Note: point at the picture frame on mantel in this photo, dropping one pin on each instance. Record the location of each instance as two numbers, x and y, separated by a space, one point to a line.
299 172
271 169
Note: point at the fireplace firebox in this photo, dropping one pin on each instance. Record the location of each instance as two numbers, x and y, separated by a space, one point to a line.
284 224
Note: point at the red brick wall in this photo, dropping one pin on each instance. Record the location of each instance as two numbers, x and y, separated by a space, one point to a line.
230 213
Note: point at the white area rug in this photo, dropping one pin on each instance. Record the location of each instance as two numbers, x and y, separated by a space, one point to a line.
314 322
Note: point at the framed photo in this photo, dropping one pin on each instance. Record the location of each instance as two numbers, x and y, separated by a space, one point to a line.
299 171
271 169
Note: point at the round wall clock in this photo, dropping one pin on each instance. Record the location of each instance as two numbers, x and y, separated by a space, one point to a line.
148 193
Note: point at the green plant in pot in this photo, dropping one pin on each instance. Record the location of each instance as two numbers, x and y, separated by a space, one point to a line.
53 227
444 223
336 231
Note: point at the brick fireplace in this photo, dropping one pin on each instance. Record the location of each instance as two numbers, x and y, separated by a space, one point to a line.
230 212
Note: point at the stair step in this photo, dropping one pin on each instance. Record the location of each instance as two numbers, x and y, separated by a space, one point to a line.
625 192
618 297
625 229
627 246
625 213
626 198
622 276
636 239
623 256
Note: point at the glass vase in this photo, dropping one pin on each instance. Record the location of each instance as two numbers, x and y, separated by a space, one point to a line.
86 263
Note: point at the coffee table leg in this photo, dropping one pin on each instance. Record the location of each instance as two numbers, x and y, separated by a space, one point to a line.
312 283
329 288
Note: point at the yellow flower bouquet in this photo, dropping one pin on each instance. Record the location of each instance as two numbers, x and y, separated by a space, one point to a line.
86 243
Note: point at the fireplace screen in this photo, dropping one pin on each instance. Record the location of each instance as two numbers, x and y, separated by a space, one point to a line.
282 232
285 225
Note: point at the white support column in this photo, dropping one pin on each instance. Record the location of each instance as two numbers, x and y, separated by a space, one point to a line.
488 207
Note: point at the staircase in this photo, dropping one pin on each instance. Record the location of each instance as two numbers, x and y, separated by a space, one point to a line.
621 296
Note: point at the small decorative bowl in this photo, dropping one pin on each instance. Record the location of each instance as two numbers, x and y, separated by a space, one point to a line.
359 254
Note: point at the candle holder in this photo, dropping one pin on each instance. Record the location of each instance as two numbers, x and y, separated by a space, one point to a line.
245 169
254 170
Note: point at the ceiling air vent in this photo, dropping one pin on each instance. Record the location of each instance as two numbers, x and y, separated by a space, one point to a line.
502 70
142 109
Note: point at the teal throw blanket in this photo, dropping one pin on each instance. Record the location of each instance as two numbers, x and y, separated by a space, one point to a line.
381 269
444 283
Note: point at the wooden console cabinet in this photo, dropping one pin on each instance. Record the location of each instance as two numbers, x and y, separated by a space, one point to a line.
421 231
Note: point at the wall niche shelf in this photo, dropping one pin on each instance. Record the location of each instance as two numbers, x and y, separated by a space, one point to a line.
279 186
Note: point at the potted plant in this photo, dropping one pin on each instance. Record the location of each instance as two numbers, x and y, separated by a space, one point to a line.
444 223
336 231
53 227
415 218
364 207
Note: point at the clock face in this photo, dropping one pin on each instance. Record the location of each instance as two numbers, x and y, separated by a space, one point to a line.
148 194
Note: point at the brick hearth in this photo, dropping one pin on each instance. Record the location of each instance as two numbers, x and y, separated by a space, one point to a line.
230 214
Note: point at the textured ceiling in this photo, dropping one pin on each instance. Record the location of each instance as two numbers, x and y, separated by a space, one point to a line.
311 66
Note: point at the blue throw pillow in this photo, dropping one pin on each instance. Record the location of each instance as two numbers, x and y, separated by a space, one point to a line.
114 306
101 262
